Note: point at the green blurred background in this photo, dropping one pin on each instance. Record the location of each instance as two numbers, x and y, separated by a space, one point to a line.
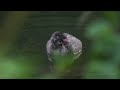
23 37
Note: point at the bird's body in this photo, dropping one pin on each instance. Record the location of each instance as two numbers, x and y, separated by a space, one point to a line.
62 44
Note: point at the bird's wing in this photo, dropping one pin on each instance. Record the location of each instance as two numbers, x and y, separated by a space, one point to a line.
75 44
76 47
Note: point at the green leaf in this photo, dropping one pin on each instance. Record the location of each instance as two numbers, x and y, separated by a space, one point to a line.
101 70
112 17
99 29
12 68
62 63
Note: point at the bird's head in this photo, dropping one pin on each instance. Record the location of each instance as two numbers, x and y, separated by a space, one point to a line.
59 39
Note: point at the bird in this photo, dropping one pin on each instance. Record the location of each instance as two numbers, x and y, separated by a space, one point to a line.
63 44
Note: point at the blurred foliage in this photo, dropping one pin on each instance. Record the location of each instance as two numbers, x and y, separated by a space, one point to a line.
105 48
23 36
